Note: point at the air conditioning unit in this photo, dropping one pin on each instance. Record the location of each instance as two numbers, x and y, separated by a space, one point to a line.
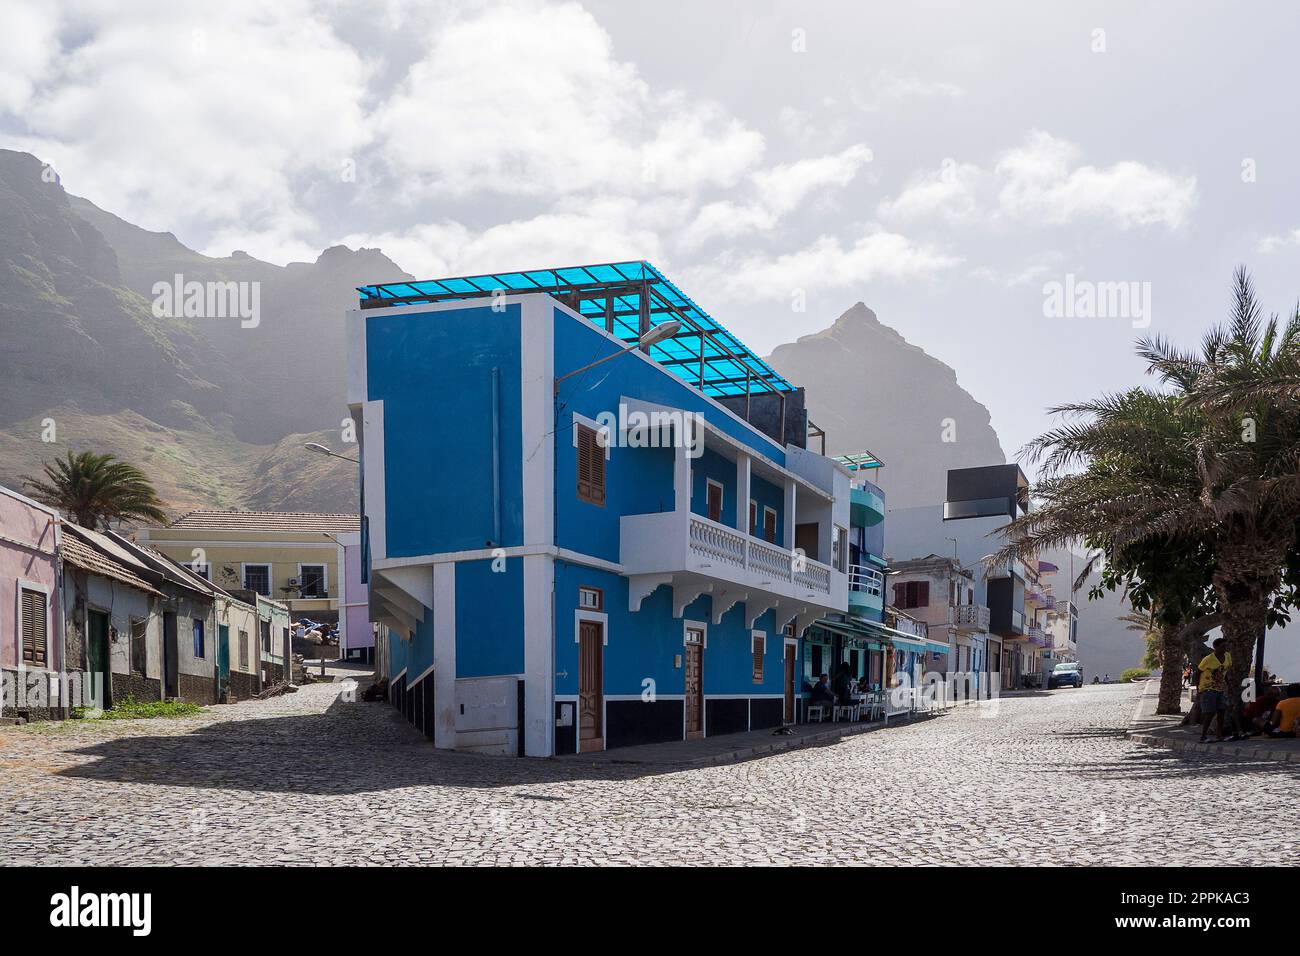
294 582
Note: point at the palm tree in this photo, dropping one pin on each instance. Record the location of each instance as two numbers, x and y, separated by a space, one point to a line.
1208 471
1244 382
1137 464
96 489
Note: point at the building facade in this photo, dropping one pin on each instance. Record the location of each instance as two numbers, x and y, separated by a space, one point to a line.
979 502
31 646
113 623
291 557
576 543
941 592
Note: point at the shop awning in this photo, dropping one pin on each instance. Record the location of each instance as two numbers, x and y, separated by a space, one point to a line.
853 630
936 647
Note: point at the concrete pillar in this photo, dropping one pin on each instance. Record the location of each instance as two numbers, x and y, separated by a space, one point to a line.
444 655
682 477
790 517
539 655
742 493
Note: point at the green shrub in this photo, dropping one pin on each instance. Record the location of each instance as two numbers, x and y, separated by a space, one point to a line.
132 709
1134 673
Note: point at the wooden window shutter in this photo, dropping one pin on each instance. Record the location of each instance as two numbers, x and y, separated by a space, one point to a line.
33 627
591 466
900 595
923 594
760 647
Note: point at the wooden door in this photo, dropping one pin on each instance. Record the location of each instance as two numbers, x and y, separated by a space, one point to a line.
591 686
789 683
694 683
223 661
98 661
715 501
171 656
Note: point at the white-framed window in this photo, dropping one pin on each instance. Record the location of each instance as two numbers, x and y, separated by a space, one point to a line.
840 549
695 632
591 599
257 577
713 499
758 647
34 624
313 580
139 645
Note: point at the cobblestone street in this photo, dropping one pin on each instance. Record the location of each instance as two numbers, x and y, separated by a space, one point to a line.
305 778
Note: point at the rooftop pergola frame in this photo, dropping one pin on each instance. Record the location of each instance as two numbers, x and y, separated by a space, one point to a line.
626 299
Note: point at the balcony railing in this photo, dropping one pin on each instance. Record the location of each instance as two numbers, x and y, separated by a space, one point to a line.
969 617
729 547
863 577
1003 568
866 588
1036 635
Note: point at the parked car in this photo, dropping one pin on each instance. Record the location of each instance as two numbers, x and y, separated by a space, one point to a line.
1065 673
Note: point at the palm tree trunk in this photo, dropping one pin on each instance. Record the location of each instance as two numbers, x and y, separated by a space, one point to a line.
1171 670
1248 572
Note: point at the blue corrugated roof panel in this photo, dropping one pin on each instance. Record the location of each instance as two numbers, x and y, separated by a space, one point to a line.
704 353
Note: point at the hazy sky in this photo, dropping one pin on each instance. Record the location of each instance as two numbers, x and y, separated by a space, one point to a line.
940 162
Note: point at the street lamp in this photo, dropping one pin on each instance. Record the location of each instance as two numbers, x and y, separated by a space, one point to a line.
322 450
665 330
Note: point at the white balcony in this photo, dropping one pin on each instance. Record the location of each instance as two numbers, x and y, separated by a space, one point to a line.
697 556
969 618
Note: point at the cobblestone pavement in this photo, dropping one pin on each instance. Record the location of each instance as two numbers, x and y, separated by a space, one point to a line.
308 779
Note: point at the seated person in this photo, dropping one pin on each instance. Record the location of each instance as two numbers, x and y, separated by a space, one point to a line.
1286 716
1259 712
864 685
822 693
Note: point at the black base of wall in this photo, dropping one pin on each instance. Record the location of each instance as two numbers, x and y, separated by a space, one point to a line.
726 716
766 712
415 703
631 722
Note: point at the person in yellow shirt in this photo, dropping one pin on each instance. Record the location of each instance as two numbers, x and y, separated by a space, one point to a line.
1212 687
1286 716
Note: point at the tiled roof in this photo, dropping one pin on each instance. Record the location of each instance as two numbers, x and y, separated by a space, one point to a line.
272 521
78 553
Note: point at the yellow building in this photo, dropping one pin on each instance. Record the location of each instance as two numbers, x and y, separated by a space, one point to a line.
292 557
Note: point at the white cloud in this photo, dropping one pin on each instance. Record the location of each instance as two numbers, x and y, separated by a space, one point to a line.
779 191
529 99
948 193
200 121
600 230
1273 243
1041 180
824 264
31 45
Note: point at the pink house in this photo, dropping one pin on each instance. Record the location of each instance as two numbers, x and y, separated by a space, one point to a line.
31 623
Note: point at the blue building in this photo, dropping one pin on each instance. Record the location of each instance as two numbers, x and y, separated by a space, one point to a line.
590 513
869 638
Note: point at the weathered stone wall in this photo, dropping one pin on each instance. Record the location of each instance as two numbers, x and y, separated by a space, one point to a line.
136 685
242 686
197 690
